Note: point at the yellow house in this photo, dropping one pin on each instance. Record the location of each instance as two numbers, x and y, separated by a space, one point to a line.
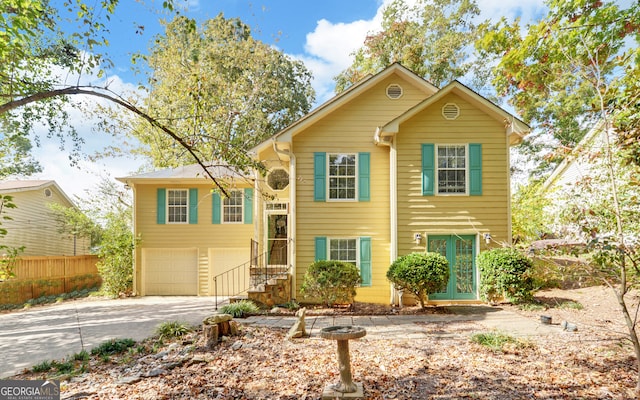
390 166
32 223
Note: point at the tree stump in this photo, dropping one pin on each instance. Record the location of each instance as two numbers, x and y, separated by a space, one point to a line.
210 336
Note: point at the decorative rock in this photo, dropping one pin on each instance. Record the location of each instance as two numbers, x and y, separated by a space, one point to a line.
155 372
569 327
298 329
127 380
237 345
217 319
210 335
234 327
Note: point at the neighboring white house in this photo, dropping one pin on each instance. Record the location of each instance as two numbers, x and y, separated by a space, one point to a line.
32 224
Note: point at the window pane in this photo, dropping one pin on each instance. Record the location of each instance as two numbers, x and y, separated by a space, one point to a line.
343 250
177 208
342 176
452 169
232 207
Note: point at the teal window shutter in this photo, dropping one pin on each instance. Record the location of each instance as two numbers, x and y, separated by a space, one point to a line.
321 248
162 206
365 261
193 206
428 169
319 178
475 169
364 189
216 211
248 205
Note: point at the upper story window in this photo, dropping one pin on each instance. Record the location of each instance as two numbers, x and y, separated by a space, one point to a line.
177 206
342 176
452 169
232 207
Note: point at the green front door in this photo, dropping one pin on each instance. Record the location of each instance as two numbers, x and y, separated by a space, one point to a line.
461 253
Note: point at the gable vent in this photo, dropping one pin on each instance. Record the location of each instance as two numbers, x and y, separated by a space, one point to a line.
47 192
394 91
450 111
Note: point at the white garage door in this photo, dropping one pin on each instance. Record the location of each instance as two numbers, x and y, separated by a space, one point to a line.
170 272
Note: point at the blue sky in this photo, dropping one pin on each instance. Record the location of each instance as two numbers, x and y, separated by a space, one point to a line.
321 33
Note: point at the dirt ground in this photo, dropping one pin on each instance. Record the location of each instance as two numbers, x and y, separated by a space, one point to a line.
595 362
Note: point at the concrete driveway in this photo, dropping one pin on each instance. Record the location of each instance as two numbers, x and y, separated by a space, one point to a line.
57 331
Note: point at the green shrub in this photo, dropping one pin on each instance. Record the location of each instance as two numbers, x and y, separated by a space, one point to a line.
171 329
44 366
240 309
420 274
333 282
505 273
113 346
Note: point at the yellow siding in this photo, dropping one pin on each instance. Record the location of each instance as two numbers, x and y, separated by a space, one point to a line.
350 129
453 214
34 226
203 235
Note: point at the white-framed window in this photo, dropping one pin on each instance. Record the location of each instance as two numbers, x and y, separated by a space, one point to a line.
177 206
343 249
342 172
232 211
451 164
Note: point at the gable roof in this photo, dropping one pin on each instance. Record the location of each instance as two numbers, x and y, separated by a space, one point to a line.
339 100
15 186
570 159
516 128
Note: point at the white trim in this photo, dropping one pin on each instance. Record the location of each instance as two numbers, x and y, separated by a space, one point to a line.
222 207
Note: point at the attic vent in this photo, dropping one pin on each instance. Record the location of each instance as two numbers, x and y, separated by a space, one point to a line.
394 91
450 111
47 192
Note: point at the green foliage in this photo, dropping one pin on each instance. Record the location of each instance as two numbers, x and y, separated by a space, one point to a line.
8 255
505 272
171 330
74 221
240 309
420 274
431 38
333 282
44 366
81 356
498 342
113 346
116 255
575 66
529 219
221 89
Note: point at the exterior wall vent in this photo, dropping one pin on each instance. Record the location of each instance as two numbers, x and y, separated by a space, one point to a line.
48 192
394 91
451 111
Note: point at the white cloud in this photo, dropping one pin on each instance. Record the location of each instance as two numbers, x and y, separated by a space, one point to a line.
329 47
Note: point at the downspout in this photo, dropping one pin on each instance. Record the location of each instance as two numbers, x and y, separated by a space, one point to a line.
378 139
293 179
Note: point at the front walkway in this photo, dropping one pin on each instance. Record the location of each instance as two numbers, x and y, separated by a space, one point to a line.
413 326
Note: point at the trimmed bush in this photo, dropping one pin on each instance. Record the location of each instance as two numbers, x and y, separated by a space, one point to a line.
505 273
420 274
333 282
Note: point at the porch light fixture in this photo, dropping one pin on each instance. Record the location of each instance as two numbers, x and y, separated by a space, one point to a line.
417 237
487 238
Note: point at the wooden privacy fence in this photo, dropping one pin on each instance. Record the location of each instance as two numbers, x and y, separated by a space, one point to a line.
51 275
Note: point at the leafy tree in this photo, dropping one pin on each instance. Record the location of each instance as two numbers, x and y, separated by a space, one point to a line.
221 89
529 218
567 71
431 38
574 68
420 274
10 254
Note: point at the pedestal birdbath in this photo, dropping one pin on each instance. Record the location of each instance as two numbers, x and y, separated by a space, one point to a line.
346 388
